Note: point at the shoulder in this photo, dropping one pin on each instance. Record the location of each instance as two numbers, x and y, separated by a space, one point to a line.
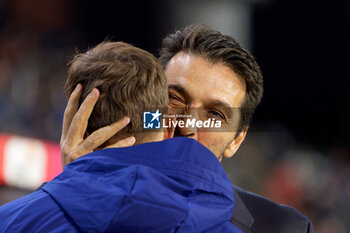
17 206
36 211
264 215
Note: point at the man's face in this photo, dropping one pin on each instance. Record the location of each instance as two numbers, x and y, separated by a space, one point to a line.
208 91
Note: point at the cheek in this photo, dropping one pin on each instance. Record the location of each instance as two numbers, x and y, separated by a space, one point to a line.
216 142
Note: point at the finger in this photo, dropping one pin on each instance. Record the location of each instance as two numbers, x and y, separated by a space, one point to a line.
100 136
123 143
80 120
71 109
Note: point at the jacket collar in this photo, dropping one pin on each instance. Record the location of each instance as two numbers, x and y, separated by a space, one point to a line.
179 154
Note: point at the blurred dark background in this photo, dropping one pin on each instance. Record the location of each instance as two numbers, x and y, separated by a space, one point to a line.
297 149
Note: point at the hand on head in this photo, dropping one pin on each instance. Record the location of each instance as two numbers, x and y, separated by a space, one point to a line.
75 121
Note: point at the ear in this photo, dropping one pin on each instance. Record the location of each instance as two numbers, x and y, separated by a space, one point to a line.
169 131
235 144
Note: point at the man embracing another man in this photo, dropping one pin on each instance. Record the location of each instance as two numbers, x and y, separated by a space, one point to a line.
160 184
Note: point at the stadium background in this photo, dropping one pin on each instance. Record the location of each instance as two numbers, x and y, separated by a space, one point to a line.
297 150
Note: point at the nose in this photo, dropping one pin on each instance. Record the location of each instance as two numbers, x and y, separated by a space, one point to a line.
189 130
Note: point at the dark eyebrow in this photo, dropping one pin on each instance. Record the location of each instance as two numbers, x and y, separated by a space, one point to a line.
179 89
226 107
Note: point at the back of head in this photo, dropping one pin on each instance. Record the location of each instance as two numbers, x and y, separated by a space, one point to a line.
129 79
215 47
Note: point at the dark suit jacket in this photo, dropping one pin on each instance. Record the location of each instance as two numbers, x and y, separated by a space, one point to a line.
255 214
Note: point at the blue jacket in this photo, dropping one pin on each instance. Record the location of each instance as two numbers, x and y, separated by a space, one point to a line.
176 185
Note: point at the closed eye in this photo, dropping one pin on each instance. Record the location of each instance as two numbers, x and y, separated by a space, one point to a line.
175 99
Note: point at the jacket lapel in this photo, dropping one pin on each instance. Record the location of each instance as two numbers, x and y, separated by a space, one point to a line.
241 216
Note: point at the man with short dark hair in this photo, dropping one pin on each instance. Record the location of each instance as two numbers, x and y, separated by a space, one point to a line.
174 185
210 75
208 70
